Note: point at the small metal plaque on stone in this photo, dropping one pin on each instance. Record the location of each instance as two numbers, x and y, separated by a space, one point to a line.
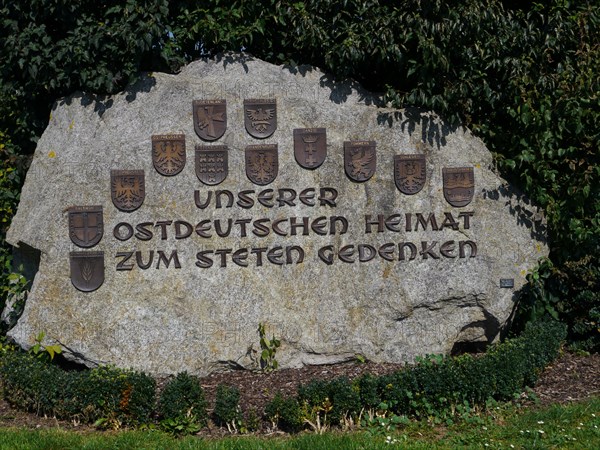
459 185
210 118
211 164
168 153
86 225
360 160
87 270
409 173
260 117
262 163
507 283
127 189
310 147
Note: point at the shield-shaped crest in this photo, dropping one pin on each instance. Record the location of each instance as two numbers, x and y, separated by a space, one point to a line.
87 270
310 147
262 163
211 164
168 153
360 160
86 225
459 185
260 117
409 173
127 189
210 118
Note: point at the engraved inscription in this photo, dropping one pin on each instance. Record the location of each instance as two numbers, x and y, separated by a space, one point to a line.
459 185
360 160
127 189
87 270
168 153
310 147
262 163
86 225
409 173
210 118
211 164
260 117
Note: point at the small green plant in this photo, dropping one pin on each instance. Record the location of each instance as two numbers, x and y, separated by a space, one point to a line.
268 348
382 421
180 425
44 352
182 405
15 292
284 413
227 408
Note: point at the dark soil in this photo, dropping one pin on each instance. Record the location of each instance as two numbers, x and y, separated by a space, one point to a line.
570 378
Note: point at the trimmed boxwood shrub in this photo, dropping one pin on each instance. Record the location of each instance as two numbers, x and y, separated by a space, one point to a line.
227 405
106 393
336 397
285 413
436 385
183 396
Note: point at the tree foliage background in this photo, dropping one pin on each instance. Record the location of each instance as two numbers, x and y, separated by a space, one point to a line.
523 76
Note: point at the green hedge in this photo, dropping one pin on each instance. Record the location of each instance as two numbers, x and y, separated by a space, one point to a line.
435 386
105 394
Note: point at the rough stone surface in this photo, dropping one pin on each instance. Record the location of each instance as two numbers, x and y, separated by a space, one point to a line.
204 319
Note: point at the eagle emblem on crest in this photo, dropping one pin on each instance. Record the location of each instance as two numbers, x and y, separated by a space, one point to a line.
127 189
409 173
260 117
360 160
168 153
262 163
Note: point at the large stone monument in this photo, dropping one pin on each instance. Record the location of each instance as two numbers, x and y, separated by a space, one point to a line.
173 218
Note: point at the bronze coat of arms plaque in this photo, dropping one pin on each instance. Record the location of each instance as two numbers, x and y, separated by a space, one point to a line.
127 189
86 225
262 163
360 160
260 117
210 118
211 163
310 147
87 270
409 173
168 153
459 185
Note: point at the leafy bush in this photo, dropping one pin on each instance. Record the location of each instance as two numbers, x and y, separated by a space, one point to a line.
336 399
367 386
227 407
284 412
183 397
436 388
106 395
12 173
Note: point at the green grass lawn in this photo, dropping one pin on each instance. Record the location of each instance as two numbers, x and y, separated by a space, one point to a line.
572 426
